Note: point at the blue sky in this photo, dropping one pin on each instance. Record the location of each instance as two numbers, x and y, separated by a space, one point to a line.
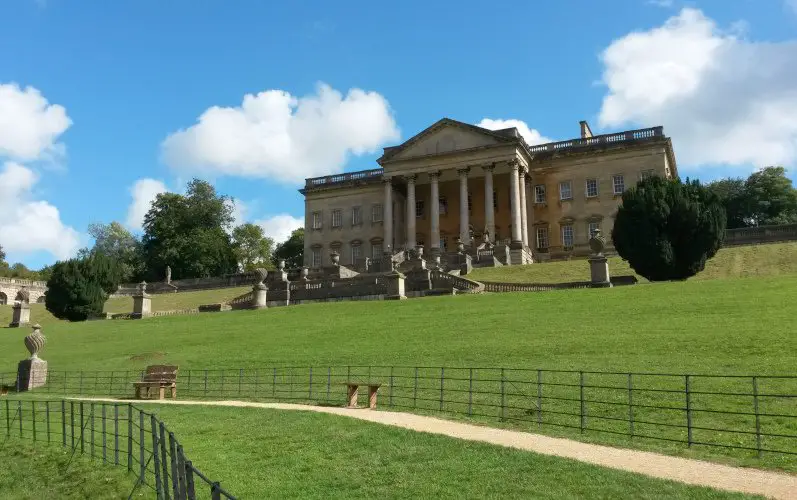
114 80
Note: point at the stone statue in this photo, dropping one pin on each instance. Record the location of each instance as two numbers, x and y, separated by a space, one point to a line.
597 243
305 273
168 275
260 275
32 372
142 288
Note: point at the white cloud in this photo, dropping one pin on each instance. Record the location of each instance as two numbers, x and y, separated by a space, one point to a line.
29 124
143 192
28 225
276 135
662 3
280 227
723 99
531 135
791 5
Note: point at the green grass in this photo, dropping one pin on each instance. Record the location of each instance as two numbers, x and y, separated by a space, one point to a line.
735 262
182 300
48 471
258 453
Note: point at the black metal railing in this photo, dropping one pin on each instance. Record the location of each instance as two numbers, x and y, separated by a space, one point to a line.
751 412
116 433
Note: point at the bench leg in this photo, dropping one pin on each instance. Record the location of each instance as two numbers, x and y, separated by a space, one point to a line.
372 397
161 392
353 389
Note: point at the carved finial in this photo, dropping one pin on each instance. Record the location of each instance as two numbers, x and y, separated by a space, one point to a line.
597 243
35 341
281 265
260 275
142 287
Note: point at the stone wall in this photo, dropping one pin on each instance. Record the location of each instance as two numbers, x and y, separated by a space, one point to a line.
10 287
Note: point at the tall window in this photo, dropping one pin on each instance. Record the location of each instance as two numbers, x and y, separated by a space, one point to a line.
337 218
376 250
443 205
567 237
495 200
356 252
591 228
419 209
316 259
618 183
317 222
542 238
376 212
470 204
356 216
565 190
592 188
539 193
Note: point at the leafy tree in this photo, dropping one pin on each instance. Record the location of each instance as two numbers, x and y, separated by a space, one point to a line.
252 247
291 250
767 197
116 242
78 288
2 254
189 234
733 195
667 229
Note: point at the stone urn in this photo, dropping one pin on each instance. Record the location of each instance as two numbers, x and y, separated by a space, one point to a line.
419 251
281 265
335 258
597 243
260 275
35 341
437 262
305 273
142 288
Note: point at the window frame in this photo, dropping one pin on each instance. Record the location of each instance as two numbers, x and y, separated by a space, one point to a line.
317 220
541 231
337 215
569 185
377 213
614 184
356 215
565 228
539 189
597 188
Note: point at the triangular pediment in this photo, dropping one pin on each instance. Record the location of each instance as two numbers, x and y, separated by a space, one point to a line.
446 136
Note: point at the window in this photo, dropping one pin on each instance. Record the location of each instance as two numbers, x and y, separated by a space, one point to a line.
419 209
618 182
376 251
565 190
356 216
567 237
443 205
376 213
444 243
542 238
316 257
495 200
356 252
470 204
337 218
539 193
592 188
317 220
591 228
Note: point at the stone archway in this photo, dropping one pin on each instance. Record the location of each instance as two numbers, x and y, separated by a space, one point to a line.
3 299
40 300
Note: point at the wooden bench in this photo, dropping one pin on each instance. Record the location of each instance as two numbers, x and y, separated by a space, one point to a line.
158 377
353 393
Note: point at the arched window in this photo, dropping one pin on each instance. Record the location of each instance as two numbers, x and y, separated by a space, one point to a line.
3 299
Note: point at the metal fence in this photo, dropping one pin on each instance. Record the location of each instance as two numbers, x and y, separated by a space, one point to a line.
116 433
757 414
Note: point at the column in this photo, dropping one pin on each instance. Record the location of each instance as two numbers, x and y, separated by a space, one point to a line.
434 237
411 211
524 226
387 215
517 237
489 201
464 223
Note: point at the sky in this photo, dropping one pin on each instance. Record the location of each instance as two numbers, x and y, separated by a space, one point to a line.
105 104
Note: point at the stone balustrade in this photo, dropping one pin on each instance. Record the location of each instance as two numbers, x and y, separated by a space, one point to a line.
599 140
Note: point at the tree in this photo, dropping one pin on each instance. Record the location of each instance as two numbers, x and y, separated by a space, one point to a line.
189 234
667 229
291 250
767 197
2 254
252 247
116 242
733 195
78 288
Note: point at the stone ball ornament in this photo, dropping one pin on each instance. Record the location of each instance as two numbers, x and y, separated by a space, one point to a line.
35 341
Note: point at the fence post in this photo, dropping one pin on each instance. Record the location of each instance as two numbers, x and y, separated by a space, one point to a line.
159 489
182 491
415 390
329 380
91 416
173 460
141 449
63 423
33 418
257 381
240 379
503 396
82 431
470 391
311 382
442 381
215 491
206 383
8 420
631 404
129 437
688 410
47 414
116 434
581 400
190 492
539 397
757 417
104 442
164 456
72 421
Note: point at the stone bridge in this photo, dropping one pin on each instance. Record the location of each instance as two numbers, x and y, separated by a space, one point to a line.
10 287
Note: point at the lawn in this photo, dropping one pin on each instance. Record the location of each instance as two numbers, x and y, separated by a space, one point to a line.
175 301
735 262
33 473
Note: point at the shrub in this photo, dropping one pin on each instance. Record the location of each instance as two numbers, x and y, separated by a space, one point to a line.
668 229
78 288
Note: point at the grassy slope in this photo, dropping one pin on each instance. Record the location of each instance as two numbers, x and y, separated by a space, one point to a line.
46 471
183 300
736 262
322 456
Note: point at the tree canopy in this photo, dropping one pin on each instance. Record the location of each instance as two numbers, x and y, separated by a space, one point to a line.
189 234
78 288
766 197
116 242
252 247
291 250
667 229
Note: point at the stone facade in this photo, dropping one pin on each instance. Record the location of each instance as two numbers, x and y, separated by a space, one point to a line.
455 182
11 287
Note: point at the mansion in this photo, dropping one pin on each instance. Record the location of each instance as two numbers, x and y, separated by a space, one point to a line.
456 184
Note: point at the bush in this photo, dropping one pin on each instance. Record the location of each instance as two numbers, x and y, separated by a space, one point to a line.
667 229
78 288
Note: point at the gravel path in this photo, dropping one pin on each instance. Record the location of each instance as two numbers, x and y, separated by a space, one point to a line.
695 472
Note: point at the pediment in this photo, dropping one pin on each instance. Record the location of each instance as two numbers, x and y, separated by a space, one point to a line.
446 136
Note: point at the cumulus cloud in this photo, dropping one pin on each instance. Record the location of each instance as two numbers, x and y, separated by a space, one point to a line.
143 193
532 136
29 124
275 135
723 99
28 225
280 227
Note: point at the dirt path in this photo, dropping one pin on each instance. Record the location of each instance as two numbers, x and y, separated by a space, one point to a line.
695 472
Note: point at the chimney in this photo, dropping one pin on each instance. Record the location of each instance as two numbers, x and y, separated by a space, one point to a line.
586 132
